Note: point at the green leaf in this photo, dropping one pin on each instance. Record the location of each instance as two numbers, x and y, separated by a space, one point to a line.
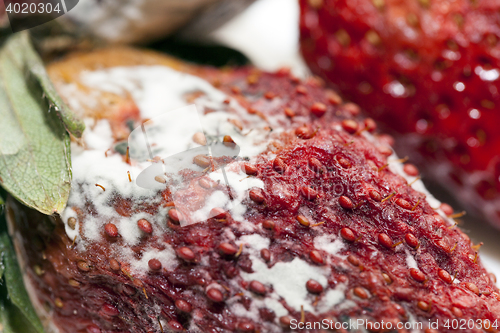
15 287
35 165
13 320
35 65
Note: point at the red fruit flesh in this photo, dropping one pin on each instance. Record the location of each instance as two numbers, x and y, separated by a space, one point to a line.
429 71
209 290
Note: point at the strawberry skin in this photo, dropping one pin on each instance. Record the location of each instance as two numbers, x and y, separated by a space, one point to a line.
428 70
336 213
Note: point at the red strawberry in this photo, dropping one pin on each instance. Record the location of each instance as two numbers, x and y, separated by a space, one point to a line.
429 70
333 232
